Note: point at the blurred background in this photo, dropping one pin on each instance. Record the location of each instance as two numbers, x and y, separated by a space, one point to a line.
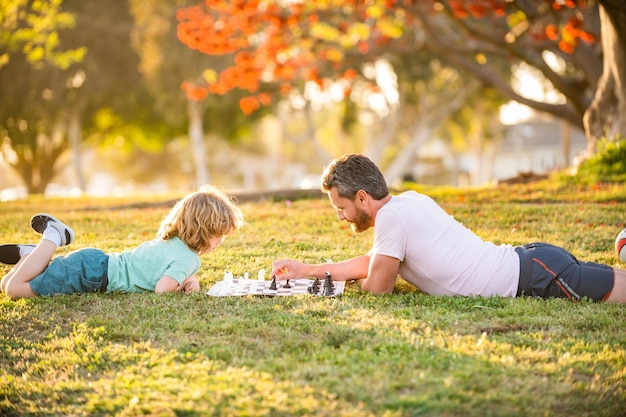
115 97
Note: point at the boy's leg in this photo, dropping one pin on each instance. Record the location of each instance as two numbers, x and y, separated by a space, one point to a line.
55 233
8 276
618 294
17 284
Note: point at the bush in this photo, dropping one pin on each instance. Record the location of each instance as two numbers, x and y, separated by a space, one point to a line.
607 165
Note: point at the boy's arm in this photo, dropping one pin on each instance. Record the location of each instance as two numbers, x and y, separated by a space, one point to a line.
191 284
166 284
169 284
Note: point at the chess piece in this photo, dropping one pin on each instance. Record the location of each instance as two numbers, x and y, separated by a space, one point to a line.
286 285
315 287
273 284
329 287
228 278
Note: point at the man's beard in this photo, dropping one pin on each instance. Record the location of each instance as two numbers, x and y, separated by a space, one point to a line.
362 221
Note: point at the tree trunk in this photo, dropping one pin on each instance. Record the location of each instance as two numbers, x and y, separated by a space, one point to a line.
434 113
404 161
566 138
196 139
74 137
36 163
606 116
376 141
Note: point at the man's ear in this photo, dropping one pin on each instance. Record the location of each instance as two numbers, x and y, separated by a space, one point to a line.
361 197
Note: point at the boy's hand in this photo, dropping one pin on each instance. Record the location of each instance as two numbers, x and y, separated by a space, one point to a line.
190 285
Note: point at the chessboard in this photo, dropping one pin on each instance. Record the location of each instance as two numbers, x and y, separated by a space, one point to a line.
303 286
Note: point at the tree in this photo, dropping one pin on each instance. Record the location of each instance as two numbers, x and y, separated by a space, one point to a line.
606 116
167 66
279 51
32 29
32 128
50 105
278 45
29 41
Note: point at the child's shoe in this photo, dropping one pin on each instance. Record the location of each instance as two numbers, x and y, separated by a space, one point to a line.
41 221
10 253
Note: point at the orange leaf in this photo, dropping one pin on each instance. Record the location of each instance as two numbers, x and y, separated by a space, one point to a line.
566 47
551 32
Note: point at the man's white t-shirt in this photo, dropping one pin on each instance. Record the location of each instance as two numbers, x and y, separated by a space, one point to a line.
439 255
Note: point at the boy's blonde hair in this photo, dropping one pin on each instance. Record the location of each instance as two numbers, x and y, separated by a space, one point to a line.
200 216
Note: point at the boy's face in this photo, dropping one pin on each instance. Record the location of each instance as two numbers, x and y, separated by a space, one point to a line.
214 242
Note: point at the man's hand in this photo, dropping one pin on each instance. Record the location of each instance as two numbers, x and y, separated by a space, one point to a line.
355 268
289 269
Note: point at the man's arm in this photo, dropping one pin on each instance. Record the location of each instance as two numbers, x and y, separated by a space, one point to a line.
382 274
377 274
355 268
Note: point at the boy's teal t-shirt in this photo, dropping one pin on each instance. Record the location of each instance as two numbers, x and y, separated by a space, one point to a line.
141 268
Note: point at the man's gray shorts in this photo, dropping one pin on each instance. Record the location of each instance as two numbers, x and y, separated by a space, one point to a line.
550 271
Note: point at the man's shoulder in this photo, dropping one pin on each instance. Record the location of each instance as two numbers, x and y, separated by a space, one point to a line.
398 206
407 205
407 197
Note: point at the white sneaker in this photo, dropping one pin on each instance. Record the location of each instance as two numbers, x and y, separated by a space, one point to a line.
40 221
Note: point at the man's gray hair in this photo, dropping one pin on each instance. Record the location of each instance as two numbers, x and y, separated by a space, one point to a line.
353 172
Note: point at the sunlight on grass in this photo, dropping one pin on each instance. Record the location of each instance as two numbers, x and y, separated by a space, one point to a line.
402 354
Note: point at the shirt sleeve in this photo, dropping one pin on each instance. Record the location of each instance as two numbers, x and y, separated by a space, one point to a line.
389 235
180 270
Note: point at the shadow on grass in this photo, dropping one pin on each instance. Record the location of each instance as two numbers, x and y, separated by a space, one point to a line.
359 354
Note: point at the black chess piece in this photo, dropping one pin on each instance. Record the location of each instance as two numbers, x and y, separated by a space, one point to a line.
317 284
287 285
329 287
315 287
273 284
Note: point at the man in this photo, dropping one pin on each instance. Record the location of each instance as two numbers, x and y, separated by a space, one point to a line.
418 240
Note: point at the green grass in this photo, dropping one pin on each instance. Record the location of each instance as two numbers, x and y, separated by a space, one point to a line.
403 354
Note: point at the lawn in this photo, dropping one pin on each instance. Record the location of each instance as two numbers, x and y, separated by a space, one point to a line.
402 354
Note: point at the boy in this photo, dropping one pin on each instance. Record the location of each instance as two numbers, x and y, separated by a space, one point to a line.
195 226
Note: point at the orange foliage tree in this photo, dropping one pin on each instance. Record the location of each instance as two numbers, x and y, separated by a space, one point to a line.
277 46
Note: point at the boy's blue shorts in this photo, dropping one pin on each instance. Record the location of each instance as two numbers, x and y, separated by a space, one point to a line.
81 271
550 271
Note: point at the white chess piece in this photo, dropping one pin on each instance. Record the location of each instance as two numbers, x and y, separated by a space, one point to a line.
261 276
